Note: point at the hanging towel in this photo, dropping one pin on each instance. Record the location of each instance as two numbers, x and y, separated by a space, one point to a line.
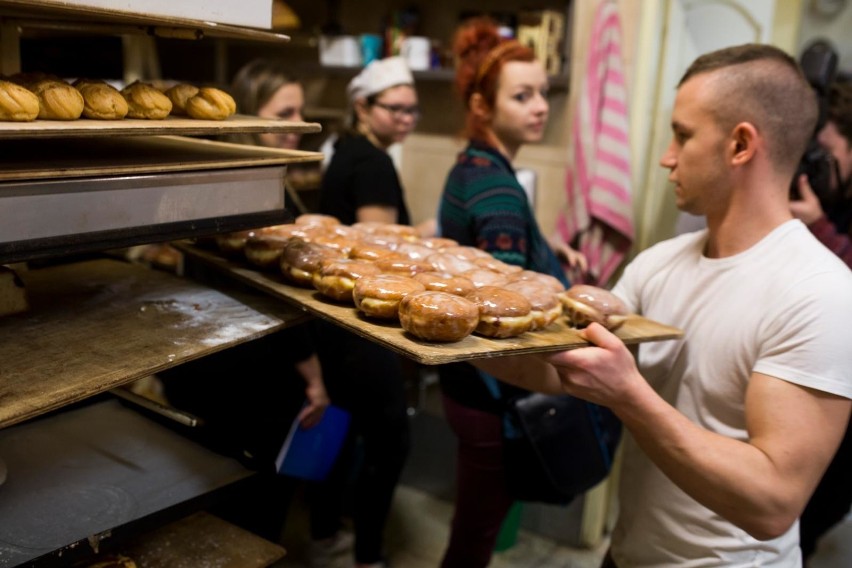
599 210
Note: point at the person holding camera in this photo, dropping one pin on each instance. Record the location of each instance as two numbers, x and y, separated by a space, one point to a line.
827 212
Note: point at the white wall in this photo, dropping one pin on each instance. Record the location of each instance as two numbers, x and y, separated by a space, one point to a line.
837 29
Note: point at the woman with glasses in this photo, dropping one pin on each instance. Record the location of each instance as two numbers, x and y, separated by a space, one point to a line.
361 185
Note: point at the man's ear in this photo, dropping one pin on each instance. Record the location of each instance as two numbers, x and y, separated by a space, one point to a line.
744 140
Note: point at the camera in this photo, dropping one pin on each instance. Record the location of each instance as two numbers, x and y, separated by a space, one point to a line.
819 64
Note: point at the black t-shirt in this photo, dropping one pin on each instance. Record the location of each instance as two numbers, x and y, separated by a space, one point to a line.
359 175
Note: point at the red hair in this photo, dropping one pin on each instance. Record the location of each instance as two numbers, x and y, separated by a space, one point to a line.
480 53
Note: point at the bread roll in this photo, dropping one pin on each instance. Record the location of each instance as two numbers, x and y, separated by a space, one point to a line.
179 95
57 100
211 104
146 101
17 103
101 101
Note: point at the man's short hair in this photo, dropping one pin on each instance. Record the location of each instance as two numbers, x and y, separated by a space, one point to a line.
764 86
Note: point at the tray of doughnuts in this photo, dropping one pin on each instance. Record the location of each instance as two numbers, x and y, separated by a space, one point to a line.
431 300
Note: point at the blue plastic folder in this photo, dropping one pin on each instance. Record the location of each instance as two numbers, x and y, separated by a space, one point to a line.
309 453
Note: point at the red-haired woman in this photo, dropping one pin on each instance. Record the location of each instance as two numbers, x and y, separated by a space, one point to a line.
504 90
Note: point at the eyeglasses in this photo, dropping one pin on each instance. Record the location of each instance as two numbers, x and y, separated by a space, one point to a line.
398 111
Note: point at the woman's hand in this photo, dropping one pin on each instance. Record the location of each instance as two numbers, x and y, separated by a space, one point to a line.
316 397
570 256
807 207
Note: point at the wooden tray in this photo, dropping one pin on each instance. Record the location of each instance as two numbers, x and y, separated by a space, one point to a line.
85 127
555 337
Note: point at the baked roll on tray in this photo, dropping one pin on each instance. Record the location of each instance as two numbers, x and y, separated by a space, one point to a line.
17 103
57 100
101 101
146 101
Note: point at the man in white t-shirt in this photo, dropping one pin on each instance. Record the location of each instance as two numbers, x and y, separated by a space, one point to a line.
731 427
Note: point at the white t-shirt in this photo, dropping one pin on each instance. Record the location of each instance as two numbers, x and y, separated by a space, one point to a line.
782 308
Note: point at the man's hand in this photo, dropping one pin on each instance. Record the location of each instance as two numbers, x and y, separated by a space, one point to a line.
605 373
807 207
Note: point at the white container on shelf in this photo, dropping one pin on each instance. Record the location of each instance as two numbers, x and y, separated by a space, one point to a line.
417 51
341 50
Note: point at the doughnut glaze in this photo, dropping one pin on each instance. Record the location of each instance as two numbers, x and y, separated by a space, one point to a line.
584 304
379 295
545 304
300 259
438 316
445 282
336 277
502 313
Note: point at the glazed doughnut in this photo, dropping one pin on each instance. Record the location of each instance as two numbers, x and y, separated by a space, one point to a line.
446 262
146 101
502 313
179 94
333 240
414 250
211 104
484 277
101 101
232 243
57 100
17 103
438 316
264 247
336 278
402 265
385 240
584 304
445 282
438 242
379 295
317 219
497 265
300 259
545 303
363 251
550 281
466 252
405 232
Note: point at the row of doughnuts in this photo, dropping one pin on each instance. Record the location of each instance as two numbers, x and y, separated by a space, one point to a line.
437 289
25 97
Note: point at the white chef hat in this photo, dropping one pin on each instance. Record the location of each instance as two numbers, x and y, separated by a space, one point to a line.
379 75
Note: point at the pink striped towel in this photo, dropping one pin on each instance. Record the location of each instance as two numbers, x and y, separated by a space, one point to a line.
599 211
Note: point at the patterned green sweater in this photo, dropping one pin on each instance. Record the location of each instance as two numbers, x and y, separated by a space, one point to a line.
483 205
